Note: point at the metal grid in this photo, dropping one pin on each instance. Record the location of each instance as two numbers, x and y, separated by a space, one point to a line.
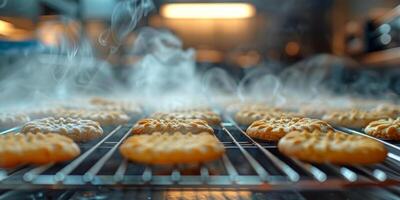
247 164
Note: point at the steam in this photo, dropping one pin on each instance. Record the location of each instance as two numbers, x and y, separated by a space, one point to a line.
125 16
166 75
3 3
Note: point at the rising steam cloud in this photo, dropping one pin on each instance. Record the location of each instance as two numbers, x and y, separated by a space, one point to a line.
166 74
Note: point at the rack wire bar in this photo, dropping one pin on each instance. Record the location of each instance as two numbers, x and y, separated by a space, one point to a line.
314 171
147 174
292 175
233 174
4 174
14 129
64 172
119 174
262 173
378 174
225 172
91 173
175 175
348 174
33 173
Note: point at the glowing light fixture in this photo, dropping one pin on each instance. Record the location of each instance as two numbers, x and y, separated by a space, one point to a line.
208 10
6 27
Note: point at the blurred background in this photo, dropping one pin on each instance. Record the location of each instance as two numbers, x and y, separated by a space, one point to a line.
363 37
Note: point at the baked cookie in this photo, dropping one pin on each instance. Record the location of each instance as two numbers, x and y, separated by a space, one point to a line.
246 117
317 111
332 147
255 106
103 117
388 129
77 129
391 110
275 128
9 120
114 105
36 148
101 101
353 119
42 112
148 126
210 117
169 149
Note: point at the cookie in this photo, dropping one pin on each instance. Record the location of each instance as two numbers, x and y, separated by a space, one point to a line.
236 107
101 101
77 129
332 147
169 149
274 129
39 148
388 129
9 120
148 126
246 117
317 111
103 117
353 119
210 117
391 110
110 105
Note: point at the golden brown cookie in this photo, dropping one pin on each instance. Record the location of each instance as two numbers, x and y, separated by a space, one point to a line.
148 126
99 103
353 119
274 129
9 120
16 149
317 111
77 129
246 117
169 149
388 129
210 117
236 107
101 116
332 147
391 110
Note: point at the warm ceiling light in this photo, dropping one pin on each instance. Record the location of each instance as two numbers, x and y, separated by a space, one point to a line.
208 10
6 27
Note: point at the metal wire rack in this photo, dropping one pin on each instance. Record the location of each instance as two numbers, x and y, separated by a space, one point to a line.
247 164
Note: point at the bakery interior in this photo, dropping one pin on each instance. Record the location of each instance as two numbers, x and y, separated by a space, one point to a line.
114 65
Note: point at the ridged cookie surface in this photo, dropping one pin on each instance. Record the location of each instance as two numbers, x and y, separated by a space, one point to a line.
77 129
388 129
101 116
147 126
246 117
275 128
332 147
210 117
